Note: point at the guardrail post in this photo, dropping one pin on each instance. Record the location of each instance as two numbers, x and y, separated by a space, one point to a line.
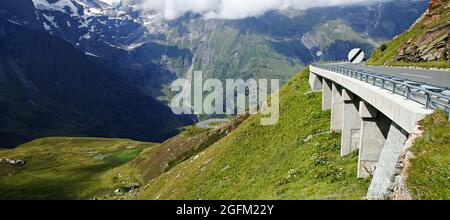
393 87
448 111
408 93
382 83
428 100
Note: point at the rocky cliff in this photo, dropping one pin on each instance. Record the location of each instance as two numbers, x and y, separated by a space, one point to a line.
425 44
432 44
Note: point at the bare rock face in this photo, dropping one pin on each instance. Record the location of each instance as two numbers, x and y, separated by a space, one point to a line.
448 49
433 44
435 4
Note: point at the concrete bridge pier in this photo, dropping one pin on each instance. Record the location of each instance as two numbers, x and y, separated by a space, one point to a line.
371 119
374 131
315 82
382 184
326 94
337 108
351 123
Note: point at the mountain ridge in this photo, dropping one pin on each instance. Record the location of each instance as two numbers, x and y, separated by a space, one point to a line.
59 82
115 33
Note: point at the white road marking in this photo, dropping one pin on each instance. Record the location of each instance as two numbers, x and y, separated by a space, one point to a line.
406 74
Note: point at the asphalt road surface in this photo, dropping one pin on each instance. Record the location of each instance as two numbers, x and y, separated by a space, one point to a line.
439 78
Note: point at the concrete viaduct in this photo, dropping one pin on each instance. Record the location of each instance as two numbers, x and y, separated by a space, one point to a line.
372 120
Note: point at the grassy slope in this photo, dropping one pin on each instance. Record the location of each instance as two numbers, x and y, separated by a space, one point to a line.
86 168
385 57
429 174
67 168
269 162
154 161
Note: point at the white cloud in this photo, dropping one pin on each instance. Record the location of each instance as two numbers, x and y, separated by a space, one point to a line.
237 9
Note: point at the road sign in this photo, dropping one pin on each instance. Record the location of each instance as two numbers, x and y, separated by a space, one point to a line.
356 55
319 53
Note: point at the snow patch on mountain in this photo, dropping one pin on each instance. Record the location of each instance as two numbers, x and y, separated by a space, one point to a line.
46 26
65 6
92 11
14 22
86 36
90 54
51 20
84 23
113 3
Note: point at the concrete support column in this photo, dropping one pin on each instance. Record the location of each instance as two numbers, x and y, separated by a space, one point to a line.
326 94
382 184
374 129
315 82
351 123
337 108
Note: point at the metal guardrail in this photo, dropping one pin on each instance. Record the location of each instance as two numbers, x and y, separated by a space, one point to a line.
430 99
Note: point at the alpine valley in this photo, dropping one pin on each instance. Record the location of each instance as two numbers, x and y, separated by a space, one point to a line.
85 85
102 68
